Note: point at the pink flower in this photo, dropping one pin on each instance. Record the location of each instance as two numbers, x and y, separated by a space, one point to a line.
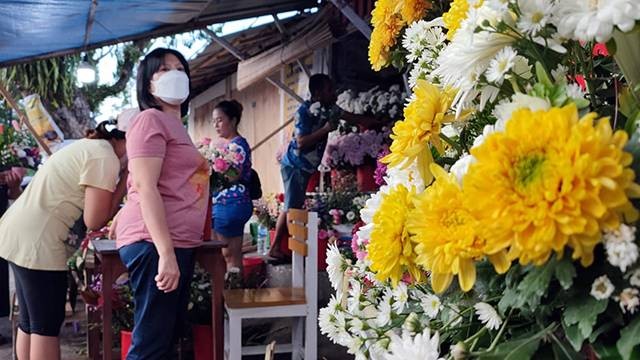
16 125
239 158
220 165
206 141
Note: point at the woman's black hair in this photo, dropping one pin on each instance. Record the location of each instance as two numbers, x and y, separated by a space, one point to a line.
231 108
106 130
148 66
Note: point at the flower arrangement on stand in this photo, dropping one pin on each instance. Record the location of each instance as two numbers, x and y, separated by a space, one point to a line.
506 225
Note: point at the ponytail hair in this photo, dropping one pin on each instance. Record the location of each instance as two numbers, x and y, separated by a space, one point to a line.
231 108
106 130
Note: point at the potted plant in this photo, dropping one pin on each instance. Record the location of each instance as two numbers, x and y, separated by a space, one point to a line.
199 314
122 311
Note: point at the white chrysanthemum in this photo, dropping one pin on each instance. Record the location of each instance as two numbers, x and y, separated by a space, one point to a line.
498 5
326 317
628 300
421 36
400 297
501 64
574 91
559 74
336 267
535 15
459 168
409 176
504 110
431 305
602 288
470 53
488 315
423 346
621 247
634 279
588 20
384 310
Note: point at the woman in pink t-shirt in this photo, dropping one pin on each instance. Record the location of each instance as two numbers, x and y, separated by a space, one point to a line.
164 216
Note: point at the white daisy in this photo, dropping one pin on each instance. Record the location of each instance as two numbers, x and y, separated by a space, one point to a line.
634 280
351 216
629 300
620 246
384 310
336 267
535 15
501 65
488 315
574 91
431 305
326 317
423 346
602 288
586 20
400 296
422 35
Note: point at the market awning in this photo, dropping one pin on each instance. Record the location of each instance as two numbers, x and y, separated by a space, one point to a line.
36 29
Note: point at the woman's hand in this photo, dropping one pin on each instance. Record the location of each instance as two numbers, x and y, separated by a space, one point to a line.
168 273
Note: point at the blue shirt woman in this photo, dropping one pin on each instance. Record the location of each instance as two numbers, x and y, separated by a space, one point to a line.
232 207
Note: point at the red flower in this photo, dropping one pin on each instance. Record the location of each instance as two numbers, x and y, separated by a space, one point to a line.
600 49
580 80
280 197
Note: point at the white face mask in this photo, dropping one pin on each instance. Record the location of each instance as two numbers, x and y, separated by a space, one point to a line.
172 87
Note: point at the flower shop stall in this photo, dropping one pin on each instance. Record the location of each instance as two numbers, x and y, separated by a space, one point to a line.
507 223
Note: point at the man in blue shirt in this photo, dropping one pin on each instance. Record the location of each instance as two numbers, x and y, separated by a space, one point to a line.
314 120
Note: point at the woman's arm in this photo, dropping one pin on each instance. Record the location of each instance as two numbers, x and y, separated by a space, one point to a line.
145 173
120 192
96 213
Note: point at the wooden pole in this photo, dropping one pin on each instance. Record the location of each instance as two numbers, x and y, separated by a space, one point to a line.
23 118
272 134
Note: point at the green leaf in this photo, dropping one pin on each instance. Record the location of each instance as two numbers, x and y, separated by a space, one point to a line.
562 350
514 350
606 352
542 76
574 335
565 272
629 338
584 312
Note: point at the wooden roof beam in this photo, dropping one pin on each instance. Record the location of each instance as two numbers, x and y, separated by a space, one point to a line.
353 17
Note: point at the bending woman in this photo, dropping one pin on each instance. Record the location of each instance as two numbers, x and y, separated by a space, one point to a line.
164 216
80 176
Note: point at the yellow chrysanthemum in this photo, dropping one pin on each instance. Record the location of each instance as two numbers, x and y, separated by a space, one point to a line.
414 10
456 15
423 119
447 235
387 24
390 247
549 181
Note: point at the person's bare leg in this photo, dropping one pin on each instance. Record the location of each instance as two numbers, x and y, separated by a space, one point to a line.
233 252
23 343
281 234
44 347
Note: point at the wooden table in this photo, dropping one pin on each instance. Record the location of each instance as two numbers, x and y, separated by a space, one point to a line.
208 255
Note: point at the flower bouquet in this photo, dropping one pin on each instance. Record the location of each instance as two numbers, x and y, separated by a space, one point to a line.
512 233
17 148
225 162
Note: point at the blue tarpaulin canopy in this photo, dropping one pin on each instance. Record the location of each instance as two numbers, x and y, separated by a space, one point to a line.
34 29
